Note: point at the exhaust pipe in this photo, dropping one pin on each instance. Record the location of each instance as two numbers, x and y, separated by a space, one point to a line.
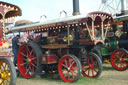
124 7
76 7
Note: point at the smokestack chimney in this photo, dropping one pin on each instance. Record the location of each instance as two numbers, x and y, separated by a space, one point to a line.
76 7
124 7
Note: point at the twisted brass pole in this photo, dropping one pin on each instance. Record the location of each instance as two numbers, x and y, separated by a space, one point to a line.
3 23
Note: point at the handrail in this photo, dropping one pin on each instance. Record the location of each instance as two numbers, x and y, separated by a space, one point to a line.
64 13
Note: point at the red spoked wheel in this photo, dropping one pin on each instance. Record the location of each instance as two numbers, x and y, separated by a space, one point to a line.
119 59
93 66
69 68
27 61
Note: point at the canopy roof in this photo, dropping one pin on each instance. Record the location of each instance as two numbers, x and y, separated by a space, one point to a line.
98 17
9 10
80 20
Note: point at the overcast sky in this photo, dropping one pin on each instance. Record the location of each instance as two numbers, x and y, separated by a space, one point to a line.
33 9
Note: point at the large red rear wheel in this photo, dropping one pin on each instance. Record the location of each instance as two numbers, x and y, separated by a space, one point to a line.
28 60
69 68
93 66
119 59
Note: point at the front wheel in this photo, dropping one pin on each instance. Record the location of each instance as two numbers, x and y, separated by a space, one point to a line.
69 68
119 59
93 66
7 72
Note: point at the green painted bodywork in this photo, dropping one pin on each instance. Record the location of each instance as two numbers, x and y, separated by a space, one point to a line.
109 47
104 51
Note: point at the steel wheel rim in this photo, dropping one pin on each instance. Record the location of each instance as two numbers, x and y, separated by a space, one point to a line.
91 69
27 61
68 68
117 60
5 74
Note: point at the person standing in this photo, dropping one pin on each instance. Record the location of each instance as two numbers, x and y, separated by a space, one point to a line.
15 47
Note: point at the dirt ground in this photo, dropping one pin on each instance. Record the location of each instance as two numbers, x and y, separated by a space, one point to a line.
109 76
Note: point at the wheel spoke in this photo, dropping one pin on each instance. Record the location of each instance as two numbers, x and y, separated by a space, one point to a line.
85 70
117 56
64 70
121 65
34 61
26 67
92 72
70 61
68 76
27 70
74 72
28 49
23 54
3 82
73 76
4 67
30 68
8 82
121 55
95 62
33 58
95 70
33 65
32 51
74 68
23 64
24 59
64 65
71 64
88 71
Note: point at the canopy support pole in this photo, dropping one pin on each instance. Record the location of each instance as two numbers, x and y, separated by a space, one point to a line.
3 23
68 34
88 30
93 30
102 29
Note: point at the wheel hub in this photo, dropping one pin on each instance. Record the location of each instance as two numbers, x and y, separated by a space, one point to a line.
5 75
121 59
28 60
91 66
68 69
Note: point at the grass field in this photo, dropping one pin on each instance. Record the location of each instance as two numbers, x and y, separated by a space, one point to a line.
109 76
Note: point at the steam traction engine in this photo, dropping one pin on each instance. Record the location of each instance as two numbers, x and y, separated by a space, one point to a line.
116 39
115 47
62 46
